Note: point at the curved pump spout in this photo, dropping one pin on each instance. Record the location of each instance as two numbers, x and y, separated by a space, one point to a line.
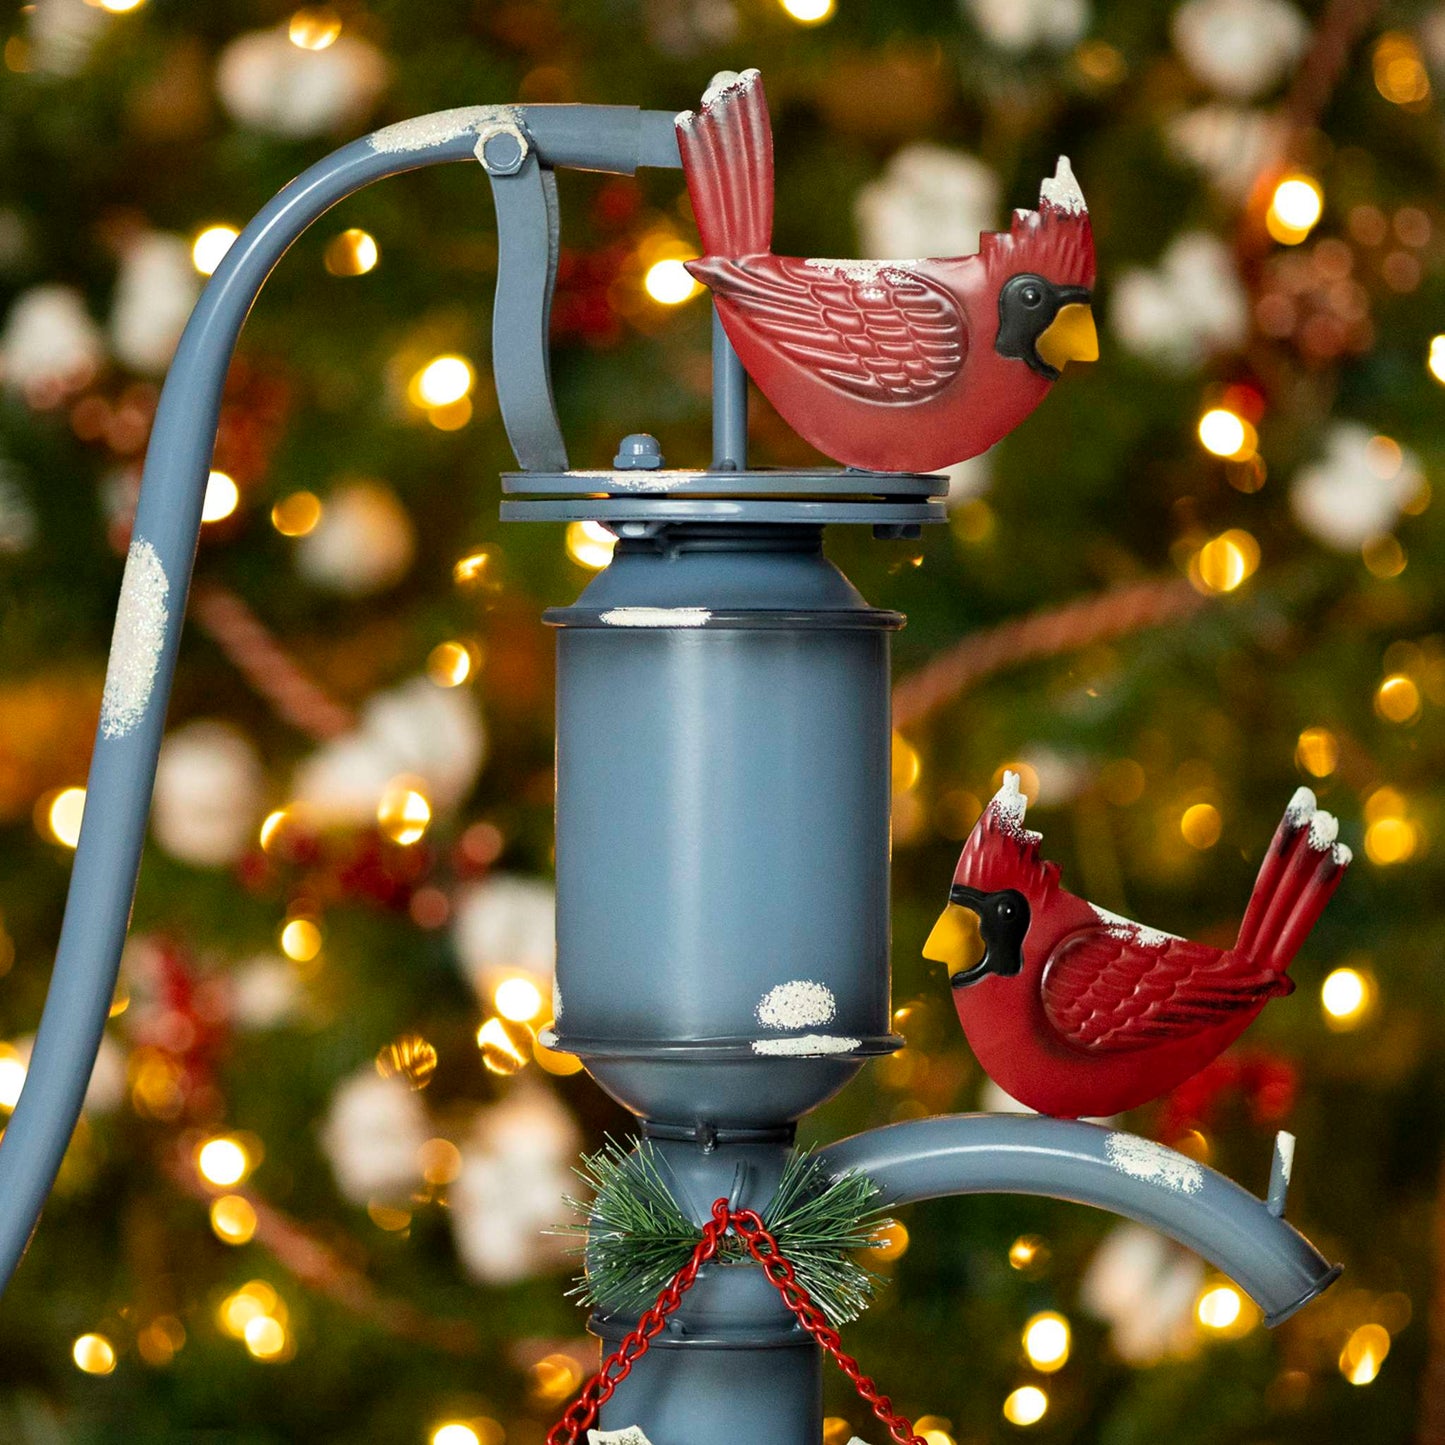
1061 1159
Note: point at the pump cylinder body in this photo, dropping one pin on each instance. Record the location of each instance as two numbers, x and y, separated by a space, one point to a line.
723 750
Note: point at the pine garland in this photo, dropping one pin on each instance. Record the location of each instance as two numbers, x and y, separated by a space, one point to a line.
636 1237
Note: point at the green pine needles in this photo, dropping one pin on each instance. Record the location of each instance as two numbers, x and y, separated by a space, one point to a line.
637 1238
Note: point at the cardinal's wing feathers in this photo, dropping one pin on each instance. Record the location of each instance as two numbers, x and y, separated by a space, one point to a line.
1119 987
874 329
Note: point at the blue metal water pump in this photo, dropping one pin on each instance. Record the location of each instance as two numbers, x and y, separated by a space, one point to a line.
722 809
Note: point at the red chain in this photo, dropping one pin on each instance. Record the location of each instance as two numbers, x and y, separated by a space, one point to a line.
764 1248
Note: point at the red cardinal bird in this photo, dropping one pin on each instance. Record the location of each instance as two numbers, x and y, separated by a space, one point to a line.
885 365
1075 1011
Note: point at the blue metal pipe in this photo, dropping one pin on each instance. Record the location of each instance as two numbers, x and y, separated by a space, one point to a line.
153 597
1129 1176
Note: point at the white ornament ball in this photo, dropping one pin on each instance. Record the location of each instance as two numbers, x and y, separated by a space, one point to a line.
1144 1286
363 543
1185 309
415 730
516 1175
1231 144
503 926
267 82
154 293
371 1134
209 794
969 479
1357 490
1021 25
49 342
265 993
62 34
929 201
1241 48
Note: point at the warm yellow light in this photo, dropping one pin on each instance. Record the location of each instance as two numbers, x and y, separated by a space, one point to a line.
265 1337
233 1218
1317 752
1384 803
210 247
555 1378
439 1160
222 1161
1028 1253
64 816
1346 996
222 495
411 1058
1224 562
1219 1308
553 1061
314 28
449 664
809 12
252 1301
1437 358
1201 825
120 7
296 515
1026 1406
271 825
505 1044
403 814
518 999
159 1342
590 544
300 940
455 1433
890 1241
1046 1341
907 764
442 381
1295 207
1397 699
474 567
1383 556
12 1076
1400 73
1364 1353
1391 840
1226 434
669 282
94 1354
453 416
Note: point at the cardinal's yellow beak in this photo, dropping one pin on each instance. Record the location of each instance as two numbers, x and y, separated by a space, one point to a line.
956 940
1070 336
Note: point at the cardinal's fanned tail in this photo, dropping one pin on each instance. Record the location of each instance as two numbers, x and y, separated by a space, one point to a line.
727 155
1299 874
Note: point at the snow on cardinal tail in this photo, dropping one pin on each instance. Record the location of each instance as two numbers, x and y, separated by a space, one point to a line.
1300 872
727 155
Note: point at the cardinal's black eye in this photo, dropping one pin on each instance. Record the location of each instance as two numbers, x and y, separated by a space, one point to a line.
1006 910
1031 296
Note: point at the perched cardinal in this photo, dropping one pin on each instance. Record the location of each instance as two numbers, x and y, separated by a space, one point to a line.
1075 1011
885 365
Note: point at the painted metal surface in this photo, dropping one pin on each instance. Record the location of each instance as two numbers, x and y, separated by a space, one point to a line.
1089 1164
722 826
167 526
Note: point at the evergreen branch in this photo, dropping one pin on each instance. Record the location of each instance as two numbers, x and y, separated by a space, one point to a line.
636 1237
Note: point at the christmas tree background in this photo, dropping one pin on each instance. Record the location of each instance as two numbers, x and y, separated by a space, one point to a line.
308 1196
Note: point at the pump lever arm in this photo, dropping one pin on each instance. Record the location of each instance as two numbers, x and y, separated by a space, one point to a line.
153 596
